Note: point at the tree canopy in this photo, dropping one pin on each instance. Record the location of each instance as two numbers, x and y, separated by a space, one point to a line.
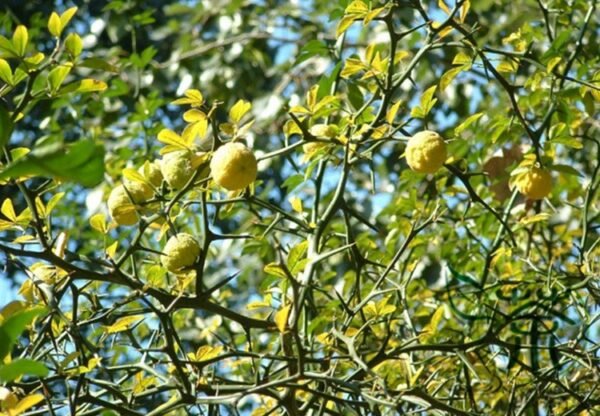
268 207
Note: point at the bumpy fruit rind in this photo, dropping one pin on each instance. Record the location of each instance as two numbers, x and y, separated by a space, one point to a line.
139 192
121 207
233 166
426 152
536 183
180 252
177 168
151 171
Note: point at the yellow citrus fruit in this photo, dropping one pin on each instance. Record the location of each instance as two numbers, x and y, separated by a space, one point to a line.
536 183
151 171
426 152
177 168
233 166
139 192
180 251
121 207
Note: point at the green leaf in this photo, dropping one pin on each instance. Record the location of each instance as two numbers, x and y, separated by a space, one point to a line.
427 100
6 74
97 63
57 76
568 141
569 170
83 86
81 162
7 47
448 76
312 48
295 256
6 125
74 44
20 40
464 278
13 327
293 181
465 124
22 367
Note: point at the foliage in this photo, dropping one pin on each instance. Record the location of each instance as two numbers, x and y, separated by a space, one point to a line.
340 281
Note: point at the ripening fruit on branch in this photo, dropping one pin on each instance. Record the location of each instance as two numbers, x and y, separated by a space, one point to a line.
177 168
139 192
180 252
121 207
535 183
233 166
426 152
151 171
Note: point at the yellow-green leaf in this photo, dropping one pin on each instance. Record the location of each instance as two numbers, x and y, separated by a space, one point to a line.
392 112
194 115
552 63
52 202
134 176
66 17
192 97
193 130
74 44
20 40
207 352
26 403
98 223
442 5
83 86
239 110
464 10
372 15
54 25
57 76
507 66
296 204
358 7
535 218
462 58
123 324
112 249
344 24
6 74
448 76
432 328
281 318
290 127
352 66
169 137
275 270
258 305
9 210
470 120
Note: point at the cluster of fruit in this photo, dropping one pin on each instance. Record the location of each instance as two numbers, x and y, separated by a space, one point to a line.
233 166
426 153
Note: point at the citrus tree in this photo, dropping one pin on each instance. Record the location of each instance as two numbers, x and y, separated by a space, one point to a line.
267 207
